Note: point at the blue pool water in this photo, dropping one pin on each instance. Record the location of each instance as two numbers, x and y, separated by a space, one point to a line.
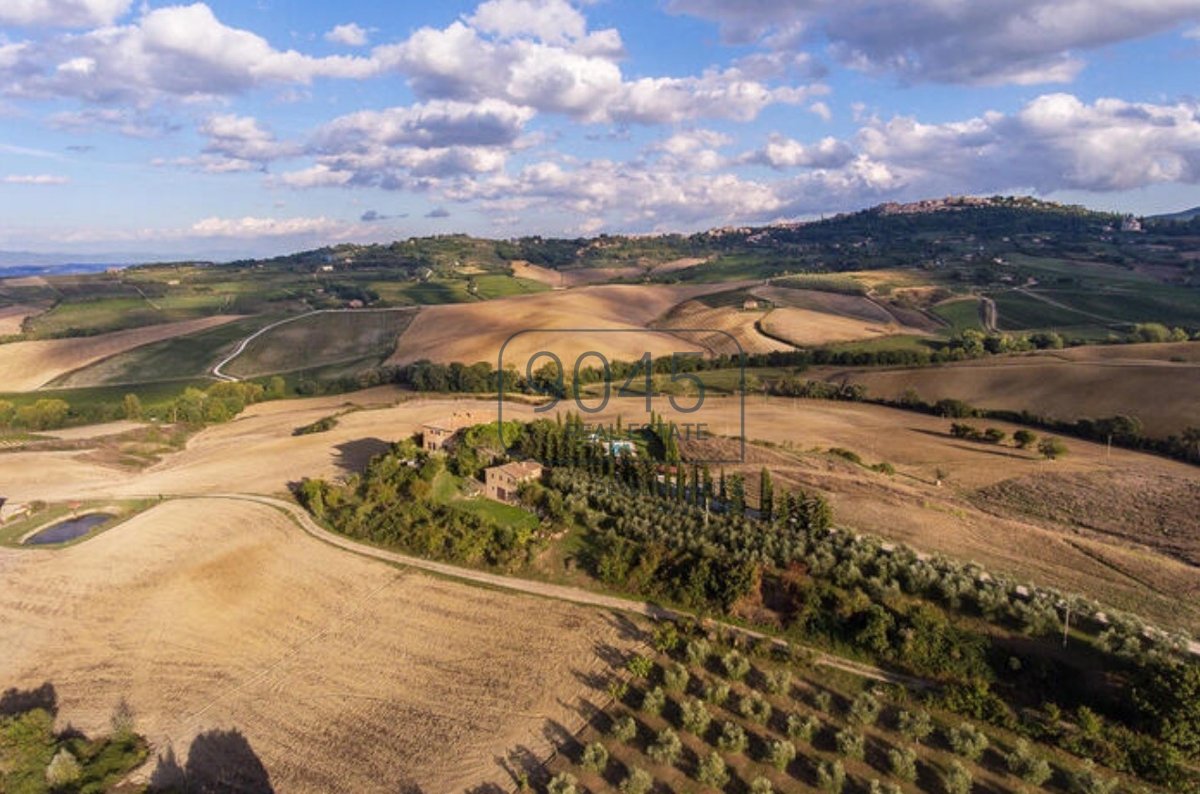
68 530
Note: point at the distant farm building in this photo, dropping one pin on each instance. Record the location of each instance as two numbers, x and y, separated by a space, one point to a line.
501 483
435 435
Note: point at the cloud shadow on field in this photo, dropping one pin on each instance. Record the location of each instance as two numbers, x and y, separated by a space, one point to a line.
353 456
218 762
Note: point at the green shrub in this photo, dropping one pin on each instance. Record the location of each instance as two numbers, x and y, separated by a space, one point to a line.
712 771
698 651
778 682
822 700
1086 780
638 781
666 637
755 707
624 729
760 785
666 747
1028 766
732 739
802 726
831 776
716 693
877 787
640 666
850 743
64 770
654 700
1025 438
903 763
595 757
956 779
736 665
694 716
967 740
675 677
914 725
780 753
864 709
562 783
1052 448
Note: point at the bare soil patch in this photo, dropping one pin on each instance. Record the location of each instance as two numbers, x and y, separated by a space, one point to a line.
1155 510
339 673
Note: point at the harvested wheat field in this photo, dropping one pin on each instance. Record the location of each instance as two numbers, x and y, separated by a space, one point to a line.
289 663
731 320
855 307
1092 384
255 453
573 277
26 366
808 328
476 331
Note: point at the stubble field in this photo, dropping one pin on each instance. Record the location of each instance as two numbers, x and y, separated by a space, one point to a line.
308 668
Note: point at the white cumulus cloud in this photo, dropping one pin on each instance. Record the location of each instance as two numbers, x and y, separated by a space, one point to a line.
350 34
957 41
62 13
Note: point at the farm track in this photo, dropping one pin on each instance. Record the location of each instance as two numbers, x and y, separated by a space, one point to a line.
572 595
241 348
988 315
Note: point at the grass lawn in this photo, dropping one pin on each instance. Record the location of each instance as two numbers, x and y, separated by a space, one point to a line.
447 489
507 515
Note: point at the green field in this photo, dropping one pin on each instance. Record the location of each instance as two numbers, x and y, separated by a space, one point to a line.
320 340
172 359
96 398
897 342
493 286
961 314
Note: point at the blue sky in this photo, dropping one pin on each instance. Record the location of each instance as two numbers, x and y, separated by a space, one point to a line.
231 128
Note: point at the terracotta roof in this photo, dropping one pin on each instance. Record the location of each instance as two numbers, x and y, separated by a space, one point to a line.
519 470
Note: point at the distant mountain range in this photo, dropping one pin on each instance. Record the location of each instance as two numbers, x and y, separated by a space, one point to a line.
1185 215
64 269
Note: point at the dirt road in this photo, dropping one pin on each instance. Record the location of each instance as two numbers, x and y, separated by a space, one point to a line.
558 592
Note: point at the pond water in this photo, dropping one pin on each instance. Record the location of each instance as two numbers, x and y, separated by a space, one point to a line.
68 530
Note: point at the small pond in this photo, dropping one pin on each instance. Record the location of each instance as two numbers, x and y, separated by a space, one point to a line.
67 530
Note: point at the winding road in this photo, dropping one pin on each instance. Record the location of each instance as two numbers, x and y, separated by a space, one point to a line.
241 348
